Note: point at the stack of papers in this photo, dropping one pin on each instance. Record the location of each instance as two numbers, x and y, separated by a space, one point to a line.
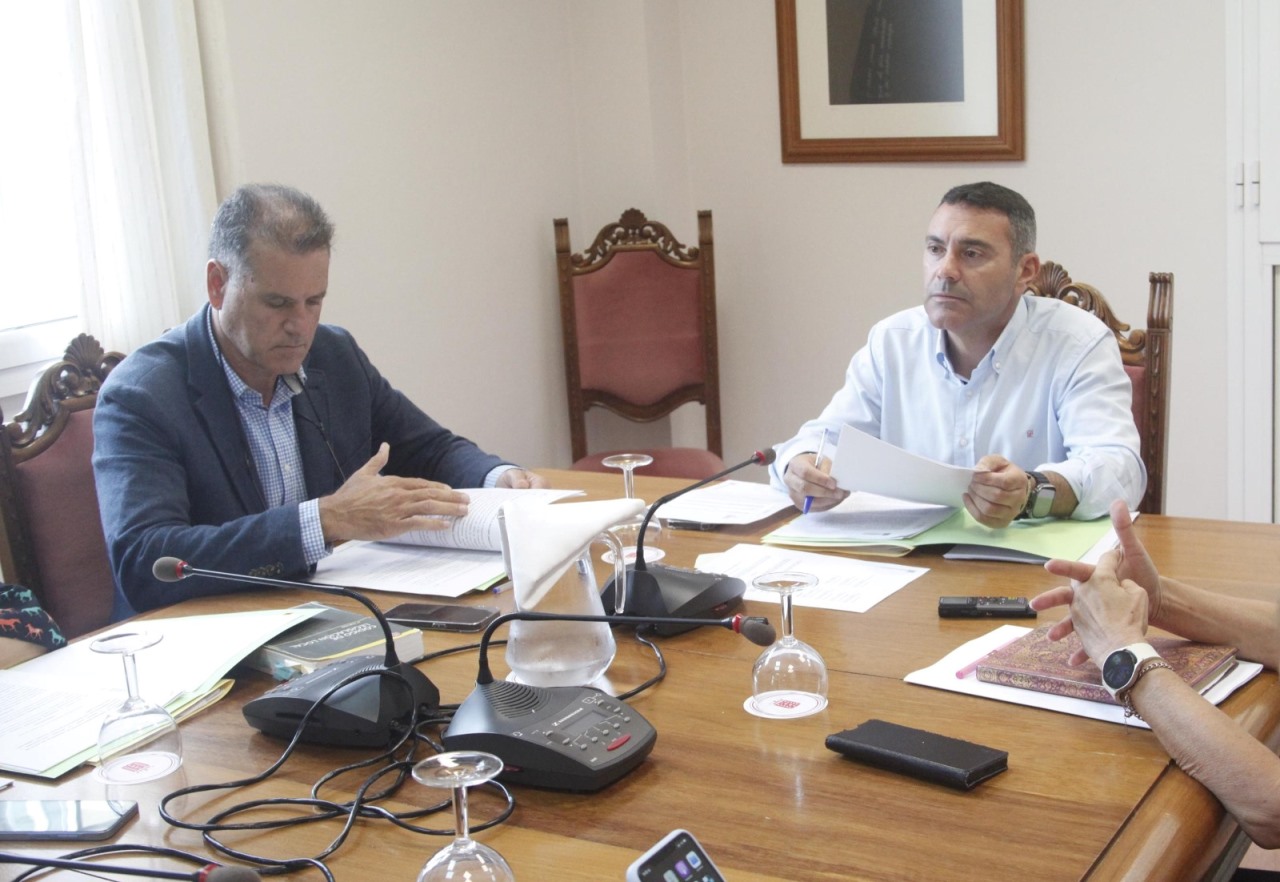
727 503
55 703
467 556
876 525
843 583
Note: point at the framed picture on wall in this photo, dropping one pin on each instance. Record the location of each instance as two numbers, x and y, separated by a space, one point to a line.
900 80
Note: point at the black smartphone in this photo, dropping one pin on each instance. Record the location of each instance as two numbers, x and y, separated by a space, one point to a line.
442 616
77 819
677 857
985 608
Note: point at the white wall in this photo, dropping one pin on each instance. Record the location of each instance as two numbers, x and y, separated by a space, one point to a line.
443 137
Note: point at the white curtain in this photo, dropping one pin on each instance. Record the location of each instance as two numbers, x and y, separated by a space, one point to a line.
145 184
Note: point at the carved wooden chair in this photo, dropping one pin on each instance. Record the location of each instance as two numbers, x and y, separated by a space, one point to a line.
638 311
1147 360
51 537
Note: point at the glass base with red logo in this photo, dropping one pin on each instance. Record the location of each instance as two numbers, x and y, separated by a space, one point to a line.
139 741
789 678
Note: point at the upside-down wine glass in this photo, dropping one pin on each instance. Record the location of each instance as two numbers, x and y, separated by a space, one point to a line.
628 532
138 741
790 677
464 859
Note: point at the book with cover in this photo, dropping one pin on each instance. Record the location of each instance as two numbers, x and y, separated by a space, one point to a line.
1036 662
329 635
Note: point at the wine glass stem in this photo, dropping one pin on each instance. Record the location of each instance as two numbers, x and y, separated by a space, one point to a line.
787 628
628 481
131 675
460 820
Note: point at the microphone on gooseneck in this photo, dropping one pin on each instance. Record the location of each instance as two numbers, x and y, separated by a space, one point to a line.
665 592
369 712
208 873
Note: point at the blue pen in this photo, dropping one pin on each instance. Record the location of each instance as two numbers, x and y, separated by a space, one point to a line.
817 464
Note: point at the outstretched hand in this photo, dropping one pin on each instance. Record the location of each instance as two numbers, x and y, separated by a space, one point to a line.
1112 603
370 505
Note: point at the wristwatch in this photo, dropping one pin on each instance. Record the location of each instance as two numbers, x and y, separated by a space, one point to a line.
1040 499
1123 668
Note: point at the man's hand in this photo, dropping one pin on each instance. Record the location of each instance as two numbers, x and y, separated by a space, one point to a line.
522 479
997 493
374 506
803 479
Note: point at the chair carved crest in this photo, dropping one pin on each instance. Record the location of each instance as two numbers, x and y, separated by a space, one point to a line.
1147 349
78 376
1054 281
632 231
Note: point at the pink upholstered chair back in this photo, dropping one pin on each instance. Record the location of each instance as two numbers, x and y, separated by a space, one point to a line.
1147 356
51 534
638 314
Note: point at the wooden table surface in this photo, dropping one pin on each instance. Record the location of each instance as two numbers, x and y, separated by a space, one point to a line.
1082 799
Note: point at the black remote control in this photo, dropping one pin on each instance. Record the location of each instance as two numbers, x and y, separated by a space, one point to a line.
985 608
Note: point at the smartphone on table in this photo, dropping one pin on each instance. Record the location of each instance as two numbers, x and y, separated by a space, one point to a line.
442 616
88 820
678 857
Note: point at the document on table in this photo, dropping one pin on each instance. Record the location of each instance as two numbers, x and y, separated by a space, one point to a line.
478 529
728 502
862 517
943 675
411 569
843 583
55 703
863 462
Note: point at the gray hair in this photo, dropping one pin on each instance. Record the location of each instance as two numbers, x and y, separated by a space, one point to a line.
270 214
993 197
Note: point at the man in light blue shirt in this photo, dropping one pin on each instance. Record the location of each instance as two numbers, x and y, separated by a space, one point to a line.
1028 390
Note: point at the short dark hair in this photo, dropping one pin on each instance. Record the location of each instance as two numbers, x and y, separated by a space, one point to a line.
993 197
271 214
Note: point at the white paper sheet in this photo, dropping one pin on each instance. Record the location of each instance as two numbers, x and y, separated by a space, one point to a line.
865 517
863 462
410 569
844 583
478 529
55 703
728 502
942 675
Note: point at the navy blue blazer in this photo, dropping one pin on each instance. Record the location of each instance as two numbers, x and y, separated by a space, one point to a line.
175 475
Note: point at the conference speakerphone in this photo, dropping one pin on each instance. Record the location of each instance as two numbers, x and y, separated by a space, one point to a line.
563 738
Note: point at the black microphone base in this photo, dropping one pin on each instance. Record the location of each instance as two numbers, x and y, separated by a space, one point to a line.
671 592
574 738
371 712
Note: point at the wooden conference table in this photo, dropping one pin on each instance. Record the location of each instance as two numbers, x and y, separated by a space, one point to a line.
1082 799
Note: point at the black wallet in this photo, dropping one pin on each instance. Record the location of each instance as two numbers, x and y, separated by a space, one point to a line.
921 754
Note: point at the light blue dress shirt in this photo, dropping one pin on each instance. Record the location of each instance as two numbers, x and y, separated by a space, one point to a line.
1051 395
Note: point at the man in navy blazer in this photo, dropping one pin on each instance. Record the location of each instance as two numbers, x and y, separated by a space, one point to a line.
252 438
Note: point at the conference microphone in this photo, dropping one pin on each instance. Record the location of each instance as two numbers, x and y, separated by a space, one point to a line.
666 592
575 738
208 873
372 711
